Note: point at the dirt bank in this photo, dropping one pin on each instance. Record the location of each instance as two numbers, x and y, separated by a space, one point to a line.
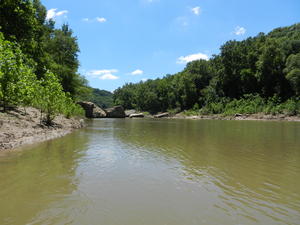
258 116
19 128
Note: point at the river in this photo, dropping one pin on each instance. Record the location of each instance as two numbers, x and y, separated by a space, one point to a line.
157 172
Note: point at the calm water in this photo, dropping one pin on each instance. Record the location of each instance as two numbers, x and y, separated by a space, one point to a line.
157 172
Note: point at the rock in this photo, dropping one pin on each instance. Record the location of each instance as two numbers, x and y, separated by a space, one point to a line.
115 112
99 113
281 116
92 110
136 115
238 115
129 112
82 123
161 115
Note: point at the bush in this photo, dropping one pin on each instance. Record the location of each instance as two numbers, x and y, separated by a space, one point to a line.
251 104
17 80
53 100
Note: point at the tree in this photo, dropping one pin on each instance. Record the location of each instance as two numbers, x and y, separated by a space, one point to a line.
18 22
63 50
292 71
52 98
17 79
262 68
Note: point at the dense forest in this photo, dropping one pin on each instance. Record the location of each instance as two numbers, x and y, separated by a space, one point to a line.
259 74
38 63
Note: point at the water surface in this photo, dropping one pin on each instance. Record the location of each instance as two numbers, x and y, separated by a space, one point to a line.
162 172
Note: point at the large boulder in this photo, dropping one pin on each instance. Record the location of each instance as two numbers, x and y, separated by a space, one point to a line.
92 110
129 112
115 112
161 115
136 115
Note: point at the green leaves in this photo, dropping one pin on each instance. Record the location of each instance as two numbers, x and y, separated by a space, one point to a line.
20 86
293 72
52 100
263 66
30 47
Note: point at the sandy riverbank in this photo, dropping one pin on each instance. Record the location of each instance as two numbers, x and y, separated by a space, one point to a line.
19 128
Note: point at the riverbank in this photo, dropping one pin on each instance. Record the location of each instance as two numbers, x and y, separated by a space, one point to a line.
258 116
18 128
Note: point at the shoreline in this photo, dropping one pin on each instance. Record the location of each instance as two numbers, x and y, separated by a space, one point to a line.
18 129
247 117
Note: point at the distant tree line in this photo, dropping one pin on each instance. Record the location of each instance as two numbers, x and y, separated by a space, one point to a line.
259 74
38 63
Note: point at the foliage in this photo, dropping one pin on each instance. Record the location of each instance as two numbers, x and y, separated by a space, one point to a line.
251 104
246 77
17 81
38 63
102 98
24 22
20 86
53 100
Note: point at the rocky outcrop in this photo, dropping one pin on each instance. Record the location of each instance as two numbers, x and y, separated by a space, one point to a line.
136 115
161 115
129 112
115 112
92 110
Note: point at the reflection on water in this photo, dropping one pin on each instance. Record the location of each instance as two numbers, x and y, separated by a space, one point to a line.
144 171
33 179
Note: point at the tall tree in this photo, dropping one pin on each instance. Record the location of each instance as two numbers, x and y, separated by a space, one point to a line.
63 50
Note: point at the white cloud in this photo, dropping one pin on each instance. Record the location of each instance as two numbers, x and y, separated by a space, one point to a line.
101 19
137 72
96 73
239 30
60 13
51 13
192 57
144 79
97 19
103 74
196 10
108 76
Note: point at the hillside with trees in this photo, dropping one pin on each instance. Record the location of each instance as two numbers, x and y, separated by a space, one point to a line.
259 74
102 98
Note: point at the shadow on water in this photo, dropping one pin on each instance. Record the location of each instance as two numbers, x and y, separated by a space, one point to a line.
38 176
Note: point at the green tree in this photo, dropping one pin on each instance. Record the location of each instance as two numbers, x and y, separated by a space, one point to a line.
16 77
18 22
293 72
63 49
260 70
52 98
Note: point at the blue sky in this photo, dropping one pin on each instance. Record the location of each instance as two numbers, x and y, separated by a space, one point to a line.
132 40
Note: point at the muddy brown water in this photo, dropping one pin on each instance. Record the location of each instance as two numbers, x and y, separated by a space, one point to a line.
157 172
